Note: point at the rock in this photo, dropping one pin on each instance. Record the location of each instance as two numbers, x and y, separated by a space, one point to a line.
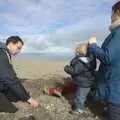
7 116
30 117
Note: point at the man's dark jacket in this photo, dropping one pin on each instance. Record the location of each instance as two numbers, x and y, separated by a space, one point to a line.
8 79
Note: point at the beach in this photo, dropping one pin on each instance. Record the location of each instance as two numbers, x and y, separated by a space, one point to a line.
35 74
35 69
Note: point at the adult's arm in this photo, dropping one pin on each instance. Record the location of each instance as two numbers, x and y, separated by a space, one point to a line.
99 53
10 80
76 69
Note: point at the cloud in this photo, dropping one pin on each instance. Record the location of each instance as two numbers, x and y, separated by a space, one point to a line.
55 25
37 15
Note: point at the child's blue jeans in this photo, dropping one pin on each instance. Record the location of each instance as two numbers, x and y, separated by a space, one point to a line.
80 97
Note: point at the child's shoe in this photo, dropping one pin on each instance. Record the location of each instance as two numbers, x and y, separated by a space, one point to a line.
77 112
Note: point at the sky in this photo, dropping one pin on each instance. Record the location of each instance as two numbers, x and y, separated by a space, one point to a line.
54 26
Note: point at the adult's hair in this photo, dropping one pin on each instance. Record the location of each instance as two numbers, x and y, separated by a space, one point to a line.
14 40
116 6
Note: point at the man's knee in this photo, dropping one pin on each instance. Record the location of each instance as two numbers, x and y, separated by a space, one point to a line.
6 105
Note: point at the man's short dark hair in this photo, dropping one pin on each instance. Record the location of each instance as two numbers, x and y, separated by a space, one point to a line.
116 6
14 40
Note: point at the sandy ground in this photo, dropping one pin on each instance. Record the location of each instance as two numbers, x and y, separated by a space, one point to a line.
34 75
34 69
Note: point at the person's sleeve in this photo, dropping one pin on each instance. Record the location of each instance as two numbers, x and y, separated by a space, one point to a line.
74 70
99 53
10 80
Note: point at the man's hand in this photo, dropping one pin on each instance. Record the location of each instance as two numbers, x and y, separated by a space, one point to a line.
34 103
92 40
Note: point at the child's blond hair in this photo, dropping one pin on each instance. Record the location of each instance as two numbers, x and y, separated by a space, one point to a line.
81 49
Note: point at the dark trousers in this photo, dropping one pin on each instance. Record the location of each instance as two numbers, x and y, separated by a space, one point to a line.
113 112
6 105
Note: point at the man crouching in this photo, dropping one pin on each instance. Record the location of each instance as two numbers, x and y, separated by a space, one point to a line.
9 83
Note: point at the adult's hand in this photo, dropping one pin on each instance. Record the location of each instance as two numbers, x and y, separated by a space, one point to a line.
34 103
92 40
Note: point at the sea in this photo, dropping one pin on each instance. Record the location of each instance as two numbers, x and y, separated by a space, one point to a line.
43 56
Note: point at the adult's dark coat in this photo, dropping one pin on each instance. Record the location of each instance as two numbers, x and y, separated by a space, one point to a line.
8 79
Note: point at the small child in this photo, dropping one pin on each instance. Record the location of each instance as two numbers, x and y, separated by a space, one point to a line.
81 70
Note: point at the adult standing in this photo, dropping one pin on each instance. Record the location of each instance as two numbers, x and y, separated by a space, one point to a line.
109 56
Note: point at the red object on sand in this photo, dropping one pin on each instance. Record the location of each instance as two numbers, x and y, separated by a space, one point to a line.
70 88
